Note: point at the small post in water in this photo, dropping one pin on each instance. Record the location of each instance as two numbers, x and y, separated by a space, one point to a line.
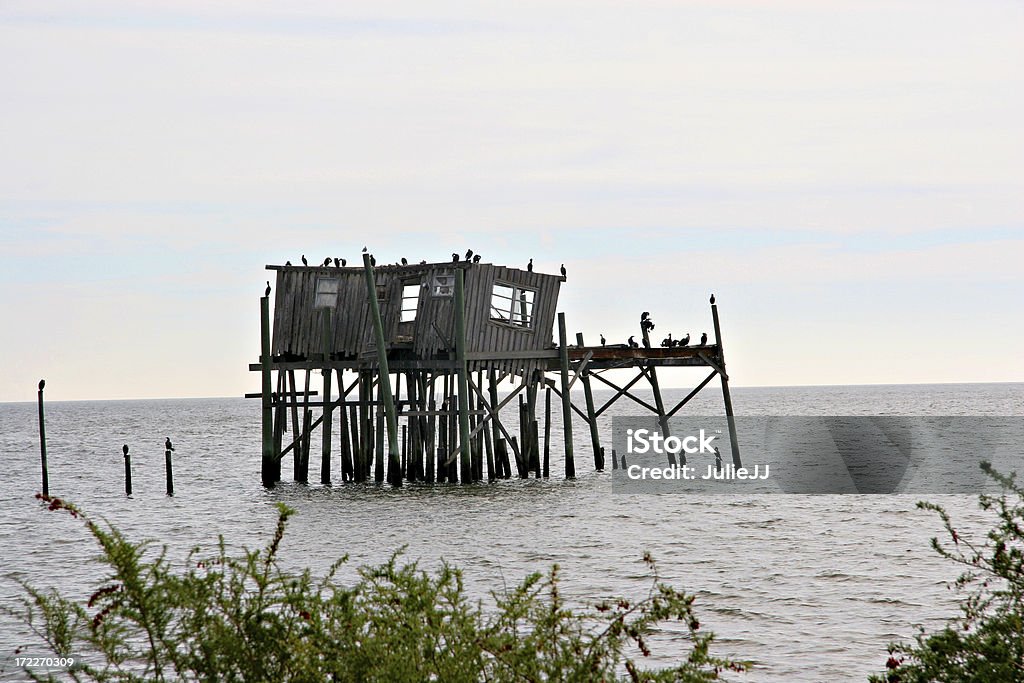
167 466
127 471
42 440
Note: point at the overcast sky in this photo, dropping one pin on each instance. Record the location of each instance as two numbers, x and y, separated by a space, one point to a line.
846 177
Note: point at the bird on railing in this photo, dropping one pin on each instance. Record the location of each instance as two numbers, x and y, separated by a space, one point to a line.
704 339
304 261
667 341
602 340
266 292
167 445
529 266
685 341
632 344
287 264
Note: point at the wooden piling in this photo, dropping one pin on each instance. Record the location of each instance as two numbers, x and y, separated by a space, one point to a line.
460 360
344 445
269 456
307 427
547 431
733 440
595 438
42 441
383 375
563 352
127 471
327 427
169 472
652 377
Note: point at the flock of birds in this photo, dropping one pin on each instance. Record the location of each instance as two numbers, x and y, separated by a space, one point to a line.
470 257
647 324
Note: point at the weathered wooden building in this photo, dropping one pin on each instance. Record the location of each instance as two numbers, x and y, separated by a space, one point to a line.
427 346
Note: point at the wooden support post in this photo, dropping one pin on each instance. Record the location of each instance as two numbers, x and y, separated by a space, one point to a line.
432 422
460 360
127 471
347 469
42 440
595 438
168 472
733 440
296 424
547 431
652 377
384 377
563 352
307 427
327 427
358 463
269 456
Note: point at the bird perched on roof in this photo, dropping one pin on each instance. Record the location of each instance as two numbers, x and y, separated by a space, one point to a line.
167 445
304 261
337 262
529 266
602 340
476 259
373 261
266 292
632 344
563 270
404 261
469 254
712 299
455 257
423 262
685 341
327 261
287 263
704 339
343 263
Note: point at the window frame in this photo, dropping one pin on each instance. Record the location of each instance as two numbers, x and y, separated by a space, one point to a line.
510 317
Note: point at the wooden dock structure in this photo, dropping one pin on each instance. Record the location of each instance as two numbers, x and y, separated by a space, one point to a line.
418 352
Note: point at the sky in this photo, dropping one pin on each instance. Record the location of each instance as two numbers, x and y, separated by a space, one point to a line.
846 177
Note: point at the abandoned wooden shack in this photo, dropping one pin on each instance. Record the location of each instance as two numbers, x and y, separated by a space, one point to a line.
418 352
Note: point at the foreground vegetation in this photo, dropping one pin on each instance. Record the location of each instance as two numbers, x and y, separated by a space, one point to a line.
243 618
985 642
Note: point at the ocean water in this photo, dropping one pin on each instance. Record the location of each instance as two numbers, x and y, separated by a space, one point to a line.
808 588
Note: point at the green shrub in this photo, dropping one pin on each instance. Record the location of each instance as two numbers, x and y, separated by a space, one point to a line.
243 618
985 642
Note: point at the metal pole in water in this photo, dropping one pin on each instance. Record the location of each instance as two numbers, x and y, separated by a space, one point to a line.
42 440
127 471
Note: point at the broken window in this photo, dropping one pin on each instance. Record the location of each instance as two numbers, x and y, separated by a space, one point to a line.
326 292
410 301
512 305
443 285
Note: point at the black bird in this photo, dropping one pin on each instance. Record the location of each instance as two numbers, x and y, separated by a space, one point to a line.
632 344
704 339
167 445
529 266
373 260
476 259
685 341
404 261
343 263
712 299
304 261
644 316
602 340
364 250
287 263
423 262
337 262
455 257
469 254
563 270
124 449
266 292
327 261
667 341
42 383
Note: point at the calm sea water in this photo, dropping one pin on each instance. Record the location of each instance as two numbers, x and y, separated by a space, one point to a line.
809 588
